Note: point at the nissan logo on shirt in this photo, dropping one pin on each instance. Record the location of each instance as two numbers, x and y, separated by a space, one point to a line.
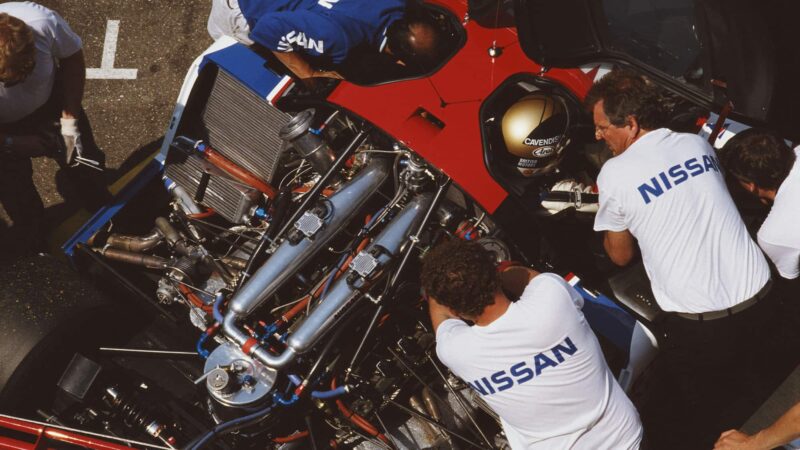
677 174
524 371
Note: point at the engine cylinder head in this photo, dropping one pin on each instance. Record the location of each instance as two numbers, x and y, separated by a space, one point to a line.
311 146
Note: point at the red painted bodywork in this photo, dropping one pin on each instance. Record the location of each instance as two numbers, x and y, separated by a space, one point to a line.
463 83
45 437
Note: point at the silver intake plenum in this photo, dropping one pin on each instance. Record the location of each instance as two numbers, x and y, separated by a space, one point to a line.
386 247
292 255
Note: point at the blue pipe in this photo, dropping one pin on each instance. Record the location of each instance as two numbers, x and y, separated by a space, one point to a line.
333 393
200 350
295 379
217 304
277 398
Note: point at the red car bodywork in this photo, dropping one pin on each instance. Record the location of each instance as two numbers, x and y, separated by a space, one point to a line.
454 95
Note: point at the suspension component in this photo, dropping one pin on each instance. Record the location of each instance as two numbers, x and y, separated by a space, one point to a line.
134 414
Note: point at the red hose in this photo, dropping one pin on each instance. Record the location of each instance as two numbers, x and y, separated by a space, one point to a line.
194 299
207 213
299 306
291 438
238 172
358 420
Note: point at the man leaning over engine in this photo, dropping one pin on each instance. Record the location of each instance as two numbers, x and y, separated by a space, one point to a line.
535 361
42 75
311 37
665 191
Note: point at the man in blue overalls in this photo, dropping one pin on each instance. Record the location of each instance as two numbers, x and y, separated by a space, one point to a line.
310 37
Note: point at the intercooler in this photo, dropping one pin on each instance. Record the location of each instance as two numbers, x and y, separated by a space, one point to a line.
241 126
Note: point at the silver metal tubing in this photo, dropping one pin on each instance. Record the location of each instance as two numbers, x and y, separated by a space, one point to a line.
151 262
146 351
387 246
344 291
134 243
182 197
174 238
289 257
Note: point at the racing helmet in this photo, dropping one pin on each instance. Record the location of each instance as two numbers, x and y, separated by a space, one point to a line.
534 130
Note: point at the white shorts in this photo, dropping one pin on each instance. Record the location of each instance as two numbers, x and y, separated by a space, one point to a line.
226 19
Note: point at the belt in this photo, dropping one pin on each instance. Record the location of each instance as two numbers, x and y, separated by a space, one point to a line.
713 315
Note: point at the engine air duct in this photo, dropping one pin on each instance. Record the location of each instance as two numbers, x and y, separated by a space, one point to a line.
310 145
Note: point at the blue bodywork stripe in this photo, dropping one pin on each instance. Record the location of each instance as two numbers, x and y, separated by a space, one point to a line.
104 214
608 319
246 66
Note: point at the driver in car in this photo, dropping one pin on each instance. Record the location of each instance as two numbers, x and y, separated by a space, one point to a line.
311 37
535 361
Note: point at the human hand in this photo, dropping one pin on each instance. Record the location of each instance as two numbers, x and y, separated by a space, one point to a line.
72 140
327 74
735 440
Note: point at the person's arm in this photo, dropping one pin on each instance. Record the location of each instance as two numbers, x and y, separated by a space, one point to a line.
784 430
73 76
300 67
514 279
620 246
439 313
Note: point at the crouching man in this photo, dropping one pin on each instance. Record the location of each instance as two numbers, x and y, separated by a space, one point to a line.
535 361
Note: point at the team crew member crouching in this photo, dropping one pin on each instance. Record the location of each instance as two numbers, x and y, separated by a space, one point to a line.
666 189
306 35
535 361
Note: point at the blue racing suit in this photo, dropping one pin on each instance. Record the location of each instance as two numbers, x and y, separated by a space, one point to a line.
325 29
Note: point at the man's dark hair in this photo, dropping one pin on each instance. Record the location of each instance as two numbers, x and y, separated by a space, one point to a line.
460 275
415 40
758 156
625 93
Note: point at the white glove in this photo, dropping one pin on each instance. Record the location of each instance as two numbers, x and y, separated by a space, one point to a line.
72 140
571 194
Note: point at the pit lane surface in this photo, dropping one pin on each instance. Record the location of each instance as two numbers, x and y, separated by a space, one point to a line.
156 41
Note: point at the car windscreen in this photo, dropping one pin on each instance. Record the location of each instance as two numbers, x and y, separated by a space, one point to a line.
659 33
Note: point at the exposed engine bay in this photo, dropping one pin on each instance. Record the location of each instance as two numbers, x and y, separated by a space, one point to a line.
296 267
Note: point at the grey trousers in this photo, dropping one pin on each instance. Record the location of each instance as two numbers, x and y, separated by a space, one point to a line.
226 19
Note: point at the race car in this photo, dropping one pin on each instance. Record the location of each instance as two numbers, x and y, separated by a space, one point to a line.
256 284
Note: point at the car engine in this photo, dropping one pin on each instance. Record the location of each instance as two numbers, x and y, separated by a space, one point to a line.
297 266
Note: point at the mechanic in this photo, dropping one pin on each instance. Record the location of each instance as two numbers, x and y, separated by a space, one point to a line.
42 75
535 361
310 37
785 430
767 168
665 191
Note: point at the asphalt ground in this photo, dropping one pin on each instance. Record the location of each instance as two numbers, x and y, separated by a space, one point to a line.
158 38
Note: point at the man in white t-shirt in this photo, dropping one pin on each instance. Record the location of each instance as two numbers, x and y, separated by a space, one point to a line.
665 191
535 361
42 75
766 167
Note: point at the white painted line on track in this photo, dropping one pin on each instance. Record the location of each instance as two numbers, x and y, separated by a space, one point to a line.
107 70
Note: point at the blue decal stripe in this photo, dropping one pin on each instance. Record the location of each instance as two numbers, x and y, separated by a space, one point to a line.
246 66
